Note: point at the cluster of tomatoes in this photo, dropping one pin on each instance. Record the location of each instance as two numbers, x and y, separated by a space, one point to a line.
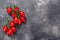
18 18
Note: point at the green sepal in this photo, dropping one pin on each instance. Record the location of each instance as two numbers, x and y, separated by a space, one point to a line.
14 6
18 16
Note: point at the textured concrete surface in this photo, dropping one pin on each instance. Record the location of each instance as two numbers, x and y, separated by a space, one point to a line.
43 20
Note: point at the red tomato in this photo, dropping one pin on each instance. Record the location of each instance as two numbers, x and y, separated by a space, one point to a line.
16 9
11 23
13 29
19 21
22 14
9 10
10 32
23 19
5 28
14 15
15 20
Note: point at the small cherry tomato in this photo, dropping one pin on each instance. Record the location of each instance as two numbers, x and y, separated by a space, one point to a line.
13 29
9 10
5 28
19 21
11 23
14 14
15 20
10 32
22 14
16 9
23 19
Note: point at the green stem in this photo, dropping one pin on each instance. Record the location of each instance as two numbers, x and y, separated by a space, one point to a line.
18 15
12 11
8 25
7 22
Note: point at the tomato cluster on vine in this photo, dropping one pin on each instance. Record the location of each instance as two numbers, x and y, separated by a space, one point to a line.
18 18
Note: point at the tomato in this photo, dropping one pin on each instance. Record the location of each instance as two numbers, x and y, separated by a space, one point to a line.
19 21
22 14
9 10
5 28
23 19
16 9
10 32
11 23
13 29
15 20
14 14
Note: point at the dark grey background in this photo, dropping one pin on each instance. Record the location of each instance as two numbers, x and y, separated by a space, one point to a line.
43 19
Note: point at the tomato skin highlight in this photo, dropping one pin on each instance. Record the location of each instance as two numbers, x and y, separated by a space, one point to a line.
9 10
11 23
5 28
10 32
22 14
